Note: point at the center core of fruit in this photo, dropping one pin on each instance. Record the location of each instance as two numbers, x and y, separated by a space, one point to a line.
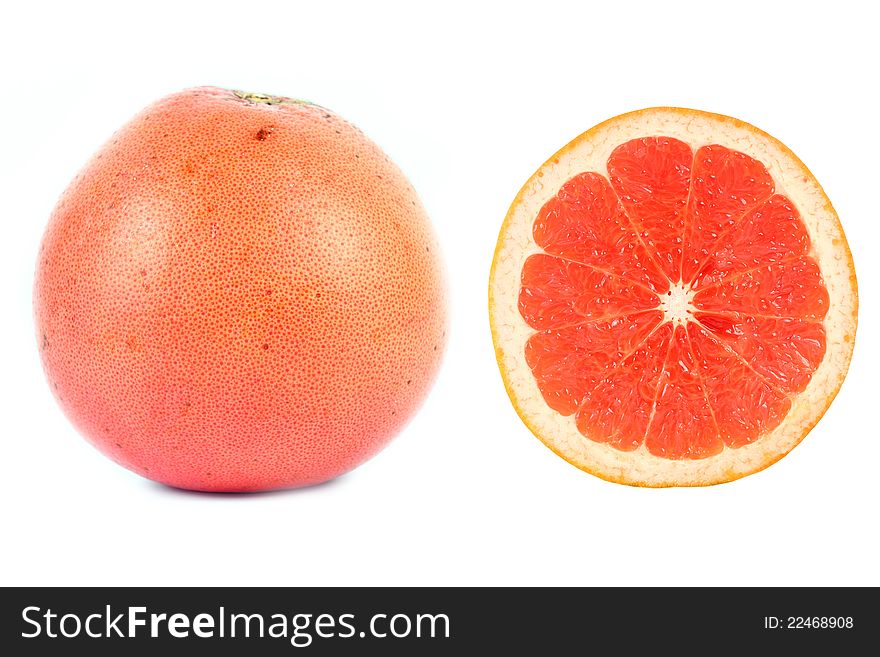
676 304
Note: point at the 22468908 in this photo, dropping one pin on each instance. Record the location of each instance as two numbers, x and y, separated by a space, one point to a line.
808 622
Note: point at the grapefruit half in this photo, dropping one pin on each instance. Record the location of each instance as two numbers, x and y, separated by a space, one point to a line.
672 300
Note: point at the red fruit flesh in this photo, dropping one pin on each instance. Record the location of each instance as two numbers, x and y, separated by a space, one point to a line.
676 302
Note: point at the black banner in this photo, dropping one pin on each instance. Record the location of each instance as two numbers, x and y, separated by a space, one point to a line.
406 621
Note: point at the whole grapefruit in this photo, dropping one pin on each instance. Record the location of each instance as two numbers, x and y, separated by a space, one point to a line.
239 292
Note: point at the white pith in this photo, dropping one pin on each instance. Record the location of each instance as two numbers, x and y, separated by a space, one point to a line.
590 152
676 304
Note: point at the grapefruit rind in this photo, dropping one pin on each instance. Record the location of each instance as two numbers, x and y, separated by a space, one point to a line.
590 152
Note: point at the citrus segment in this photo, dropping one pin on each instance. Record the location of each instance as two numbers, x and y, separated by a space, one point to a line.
672 300
682 425
617 410
784 350
639 169
585 222
789 288
744 405
557 292
570 361
770 233
725 186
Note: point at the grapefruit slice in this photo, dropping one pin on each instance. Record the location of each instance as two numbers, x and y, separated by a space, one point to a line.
672 299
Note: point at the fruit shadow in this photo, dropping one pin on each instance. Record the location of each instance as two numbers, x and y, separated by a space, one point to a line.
164 489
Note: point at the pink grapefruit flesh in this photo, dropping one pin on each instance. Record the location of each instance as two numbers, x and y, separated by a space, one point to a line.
672 300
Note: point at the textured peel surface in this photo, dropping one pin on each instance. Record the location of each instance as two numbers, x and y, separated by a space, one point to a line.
239 292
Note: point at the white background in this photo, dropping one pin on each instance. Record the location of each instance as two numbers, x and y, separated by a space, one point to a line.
468 98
